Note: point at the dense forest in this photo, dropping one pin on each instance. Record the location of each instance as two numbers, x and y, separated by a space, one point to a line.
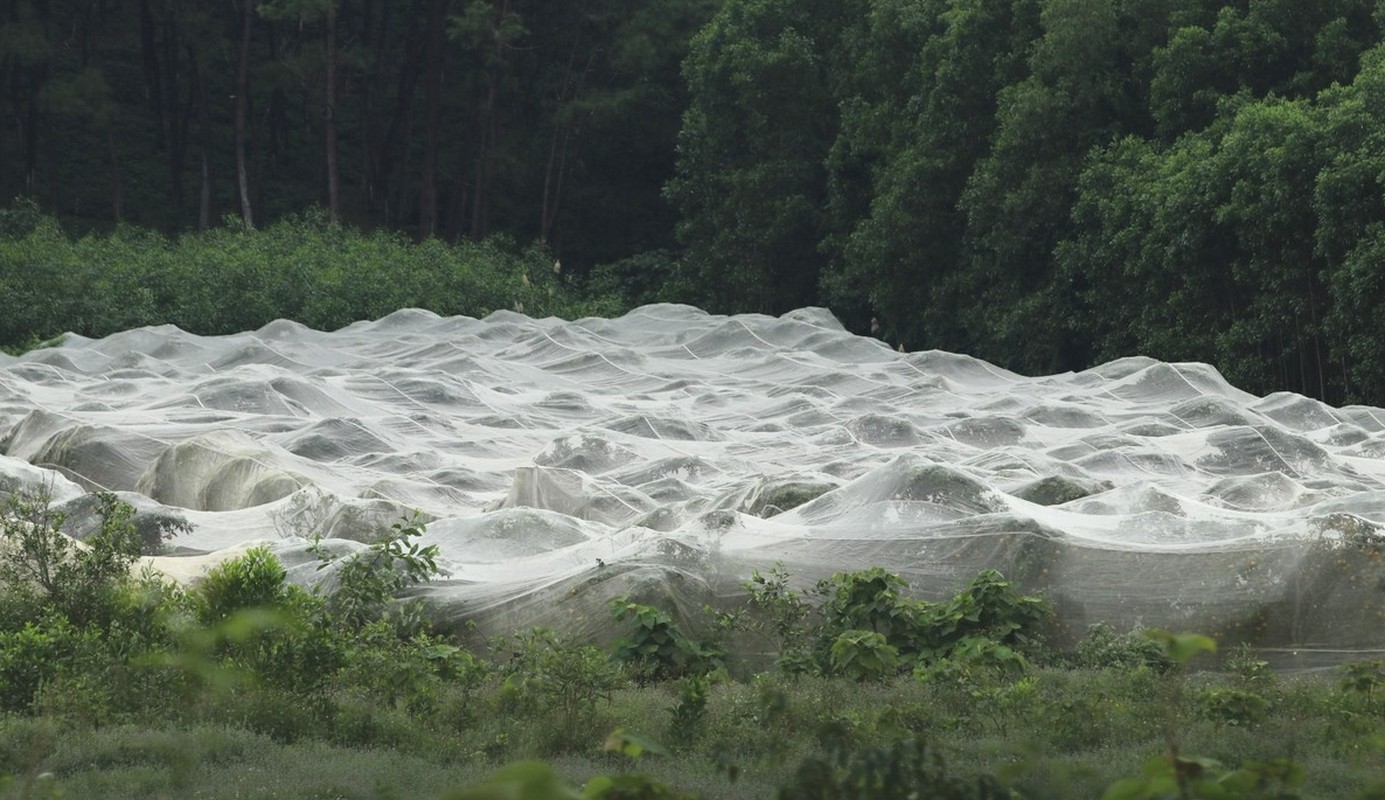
1045 184
544 120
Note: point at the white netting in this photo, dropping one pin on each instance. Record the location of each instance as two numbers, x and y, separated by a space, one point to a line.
683 450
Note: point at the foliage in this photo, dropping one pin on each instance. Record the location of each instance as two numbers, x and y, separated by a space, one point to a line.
35 654
750 184
863 655
690 712
1045 184
1205 779
420 675
1250 670
365 583
909 768
1364 678
243 651
657 646
1234 707
38 559
564 682
779 614
1175 774
126 120
252 580
1181 648
987 609
1103 648
304 267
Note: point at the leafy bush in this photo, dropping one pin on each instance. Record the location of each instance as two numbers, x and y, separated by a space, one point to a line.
657 647
866 600
35 654
41 562
909 768
231 279
366 583
1364 678
690 712
546 675
863 656
1103 648
1230 706
418 675
988 607
253 580
780 615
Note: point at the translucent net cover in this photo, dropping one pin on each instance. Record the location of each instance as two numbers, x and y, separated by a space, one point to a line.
668 453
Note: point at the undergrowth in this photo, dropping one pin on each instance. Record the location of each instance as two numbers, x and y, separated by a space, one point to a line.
121 685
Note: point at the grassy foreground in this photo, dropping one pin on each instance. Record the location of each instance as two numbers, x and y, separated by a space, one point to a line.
245 686
1080 732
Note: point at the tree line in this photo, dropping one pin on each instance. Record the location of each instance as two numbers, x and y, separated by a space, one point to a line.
544 120
1045 184
1048 184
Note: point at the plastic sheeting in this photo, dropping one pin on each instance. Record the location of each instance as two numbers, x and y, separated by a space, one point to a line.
668 453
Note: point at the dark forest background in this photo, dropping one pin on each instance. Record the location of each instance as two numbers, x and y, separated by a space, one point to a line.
1045 184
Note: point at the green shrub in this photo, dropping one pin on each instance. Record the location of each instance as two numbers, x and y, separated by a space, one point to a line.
38 653
367 583
867 600
780 615
1364 678
657 647
419 675
689 714
909 768
1231 706
41 562
254 579
231 279
1103 648
548 676
988 607
863 656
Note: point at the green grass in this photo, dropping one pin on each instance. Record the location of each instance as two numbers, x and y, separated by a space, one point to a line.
1049 748
244 686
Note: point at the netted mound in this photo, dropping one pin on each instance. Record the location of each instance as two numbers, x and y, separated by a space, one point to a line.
669 452
218 471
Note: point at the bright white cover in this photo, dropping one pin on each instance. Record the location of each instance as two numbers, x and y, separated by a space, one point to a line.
683 450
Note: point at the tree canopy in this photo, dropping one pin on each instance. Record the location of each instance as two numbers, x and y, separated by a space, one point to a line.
1041 183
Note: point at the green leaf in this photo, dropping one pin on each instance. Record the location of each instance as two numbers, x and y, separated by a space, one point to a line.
632 745
1182 647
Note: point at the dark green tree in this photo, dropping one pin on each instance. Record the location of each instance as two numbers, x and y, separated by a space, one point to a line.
751 187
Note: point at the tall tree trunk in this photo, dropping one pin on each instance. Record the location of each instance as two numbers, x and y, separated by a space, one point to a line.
204 199
432 94
458 205
31 136
149 54
117 193
330 123
480 207
557 144
370 126
399 133
490 126
178 118
242 100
